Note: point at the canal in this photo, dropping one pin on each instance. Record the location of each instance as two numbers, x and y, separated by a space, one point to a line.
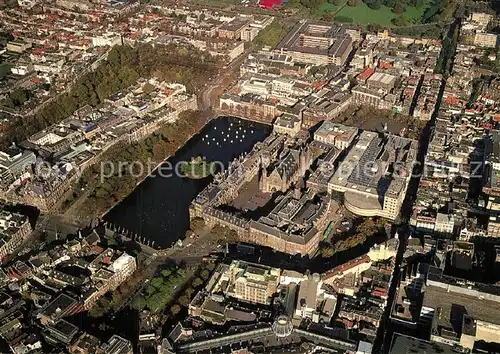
158 209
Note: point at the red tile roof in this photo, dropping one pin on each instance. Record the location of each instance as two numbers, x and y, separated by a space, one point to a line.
385 65
366 74
346 266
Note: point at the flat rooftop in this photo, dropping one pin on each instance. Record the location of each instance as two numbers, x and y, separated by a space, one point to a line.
59 304
405 344
316 37
339 131
65 328
377 164
384 78
454 305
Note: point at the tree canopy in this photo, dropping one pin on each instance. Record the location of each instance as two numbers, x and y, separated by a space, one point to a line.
368 227
398 6
16 98
272 34
161 290
431 14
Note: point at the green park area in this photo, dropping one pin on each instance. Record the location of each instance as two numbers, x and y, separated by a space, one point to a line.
172 289
161 290
362 14
387 13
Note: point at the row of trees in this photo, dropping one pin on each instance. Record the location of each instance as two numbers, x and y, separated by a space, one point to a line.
196 282
426 31
397 6
157 295
448 50
124 65
113 300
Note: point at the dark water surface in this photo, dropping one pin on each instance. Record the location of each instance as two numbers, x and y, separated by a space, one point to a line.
158 209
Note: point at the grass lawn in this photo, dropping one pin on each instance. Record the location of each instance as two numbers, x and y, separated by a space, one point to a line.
324 9
363 15
414 14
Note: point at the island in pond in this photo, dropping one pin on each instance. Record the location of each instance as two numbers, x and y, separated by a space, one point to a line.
198 168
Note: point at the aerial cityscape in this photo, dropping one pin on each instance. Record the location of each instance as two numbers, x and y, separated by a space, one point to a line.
249 176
